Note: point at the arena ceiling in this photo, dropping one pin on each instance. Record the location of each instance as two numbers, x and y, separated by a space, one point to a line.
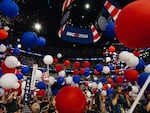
49 14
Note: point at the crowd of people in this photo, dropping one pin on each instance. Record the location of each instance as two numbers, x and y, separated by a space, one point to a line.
118 102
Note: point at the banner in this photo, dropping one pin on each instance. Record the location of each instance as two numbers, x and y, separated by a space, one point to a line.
79 35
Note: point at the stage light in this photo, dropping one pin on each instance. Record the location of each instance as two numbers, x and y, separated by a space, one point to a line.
37 26
87 6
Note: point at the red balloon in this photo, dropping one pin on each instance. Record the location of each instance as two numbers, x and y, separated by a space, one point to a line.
6 69
3 34
55 60
105 87
86 84
82 71
86 64
112 85
109 80
40 93
70 99
131 75
19 90
136 53
119 79
94 91
117 71
76 64
58 67
75 72
7 91
66 63
132 25
96 72
112 49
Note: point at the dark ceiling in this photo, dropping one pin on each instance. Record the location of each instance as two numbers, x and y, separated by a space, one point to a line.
49 14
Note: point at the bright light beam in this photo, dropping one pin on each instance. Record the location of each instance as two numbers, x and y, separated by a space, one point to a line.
37 26
87 6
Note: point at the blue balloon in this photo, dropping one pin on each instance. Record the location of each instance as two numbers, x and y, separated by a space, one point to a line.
103 80
142 79
25 69
140 65
1 72
114 78
41 85
16 51
110 91
76 79
29 39
87 72
110 30
60 80
19 76
111 67
55 91
99 67
9 8
41 41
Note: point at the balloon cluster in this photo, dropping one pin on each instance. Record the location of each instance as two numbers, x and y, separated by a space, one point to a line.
29 37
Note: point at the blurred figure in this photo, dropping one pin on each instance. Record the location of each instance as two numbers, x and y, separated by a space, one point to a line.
35 107
118 101
145 105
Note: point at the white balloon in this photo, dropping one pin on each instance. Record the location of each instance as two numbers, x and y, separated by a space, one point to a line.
106 70
8 81
94 85
59 55
102 22
135 89
69 79
90 84
95 78
19 64
6 28
51 80
48 59
38 74
75 84
11 62
23 84
147 69
19 46
2 48
132 95
132 61
100 85
2 92
108 59
109 85
88 93
62 73
124 56
16 86
104 93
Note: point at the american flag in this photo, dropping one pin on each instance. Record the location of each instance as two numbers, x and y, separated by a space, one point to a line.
113 11
61 30
96 35
66 4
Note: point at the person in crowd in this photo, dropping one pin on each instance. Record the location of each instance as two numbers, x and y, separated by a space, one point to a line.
118 101
35 108
104 108
11 102
144 107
